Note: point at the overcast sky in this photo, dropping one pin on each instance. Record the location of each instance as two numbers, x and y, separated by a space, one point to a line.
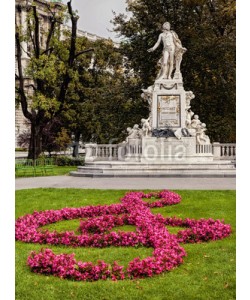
95 15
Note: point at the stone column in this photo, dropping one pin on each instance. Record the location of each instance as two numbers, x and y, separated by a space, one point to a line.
121 151
133 150
89 152
216 150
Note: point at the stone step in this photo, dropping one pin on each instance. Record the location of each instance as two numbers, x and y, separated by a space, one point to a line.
91 170
170 173
101 169
101 164
166 169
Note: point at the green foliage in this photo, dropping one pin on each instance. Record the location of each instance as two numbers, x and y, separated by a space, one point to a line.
43 83
105 98
63 139
208 272
20 149
57 171
207 29
90 94
68 161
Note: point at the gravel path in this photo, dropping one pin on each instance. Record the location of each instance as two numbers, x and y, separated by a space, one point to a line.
126 183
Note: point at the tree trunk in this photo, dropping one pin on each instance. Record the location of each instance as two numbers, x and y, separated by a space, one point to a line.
35 145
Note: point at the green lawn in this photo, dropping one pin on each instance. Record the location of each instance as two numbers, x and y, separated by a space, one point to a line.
208 272
57 170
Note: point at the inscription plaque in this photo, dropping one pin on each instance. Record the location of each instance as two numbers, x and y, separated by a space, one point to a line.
168 111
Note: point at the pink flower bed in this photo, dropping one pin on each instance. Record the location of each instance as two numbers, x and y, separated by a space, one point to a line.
96 231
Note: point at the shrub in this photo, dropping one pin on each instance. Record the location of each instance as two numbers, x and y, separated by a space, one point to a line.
69 161
20 149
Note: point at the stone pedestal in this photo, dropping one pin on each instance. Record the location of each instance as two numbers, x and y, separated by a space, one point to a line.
217 150
156 150
90 152
168 105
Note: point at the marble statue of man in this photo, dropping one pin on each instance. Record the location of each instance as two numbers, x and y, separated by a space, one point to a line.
172 52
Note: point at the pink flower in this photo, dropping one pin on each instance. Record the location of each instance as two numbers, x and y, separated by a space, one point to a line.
96 231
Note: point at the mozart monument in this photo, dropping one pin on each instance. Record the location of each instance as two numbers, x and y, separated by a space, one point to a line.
171 141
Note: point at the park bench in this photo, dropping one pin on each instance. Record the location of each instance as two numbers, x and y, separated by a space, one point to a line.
34 167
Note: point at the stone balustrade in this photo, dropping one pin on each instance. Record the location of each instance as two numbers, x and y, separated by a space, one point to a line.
204 149
102 152
133 149
224 151
118 152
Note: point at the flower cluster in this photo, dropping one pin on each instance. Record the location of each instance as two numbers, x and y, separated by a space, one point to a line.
96 231
166 198
65 266
102 224
199 230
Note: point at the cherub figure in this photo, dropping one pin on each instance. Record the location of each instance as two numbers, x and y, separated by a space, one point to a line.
195 122
147 94
146 128
189 96
201 137
135 132
189 116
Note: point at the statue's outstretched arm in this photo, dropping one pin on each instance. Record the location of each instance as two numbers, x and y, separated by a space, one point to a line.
156 45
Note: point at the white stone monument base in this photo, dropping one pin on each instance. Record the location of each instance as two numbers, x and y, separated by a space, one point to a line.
164 150
170 169
154 157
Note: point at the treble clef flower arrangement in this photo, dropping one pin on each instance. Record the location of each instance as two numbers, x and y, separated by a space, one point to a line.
96 231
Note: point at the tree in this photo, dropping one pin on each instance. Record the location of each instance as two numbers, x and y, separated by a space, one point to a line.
51 68
54 137
105 100
207 29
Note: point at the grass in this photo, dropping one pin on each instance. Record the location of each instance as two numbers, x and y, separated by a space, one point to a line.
208 272
57 170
